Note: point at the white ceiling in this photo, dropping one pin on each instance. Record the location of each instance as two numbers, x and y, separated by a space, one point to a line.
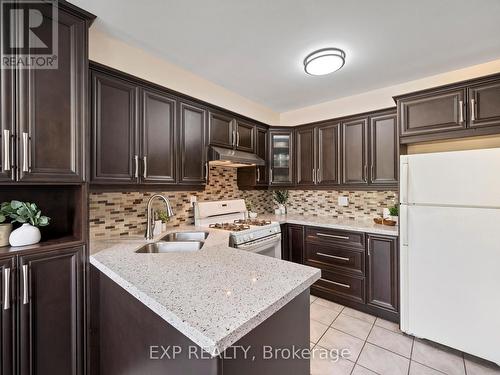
256 47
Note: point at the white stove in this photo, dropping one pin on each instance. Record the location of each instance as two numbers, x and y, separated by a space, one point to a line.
258 236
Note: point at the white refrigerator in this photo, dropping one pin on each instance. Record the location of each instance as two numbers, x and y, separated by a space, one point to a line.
450 249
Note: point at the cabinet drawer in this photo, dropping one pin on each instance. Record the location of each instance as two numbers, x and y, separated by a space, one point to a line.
336 257
333 236
349 287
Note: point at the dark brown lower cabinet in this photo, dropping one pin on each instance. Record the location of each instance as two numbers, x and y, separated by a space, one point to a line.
358 270
383 272
46 305
7 317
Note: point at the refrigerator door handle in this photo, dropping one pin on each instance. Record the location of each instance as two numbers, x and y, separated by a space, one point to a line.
403 224
404 180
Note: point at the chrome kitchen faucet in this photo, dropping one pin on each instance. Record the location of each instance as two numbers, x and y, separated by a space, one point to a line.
150 217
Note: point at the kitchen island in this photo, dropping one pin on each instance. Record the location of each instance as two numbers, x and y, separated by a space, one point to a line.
218 306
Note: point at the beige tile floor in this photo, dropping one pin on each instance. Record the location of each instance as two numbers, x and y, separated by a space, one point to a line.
377 346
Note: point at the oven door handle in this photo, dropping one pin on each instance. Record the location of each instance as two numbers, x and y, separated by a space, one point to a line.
256 244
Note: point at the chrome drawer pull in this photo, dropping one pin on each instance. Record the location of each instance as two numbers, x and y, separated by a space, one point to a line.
145 160
335 283
258 174
6 288
6 149
333 256
460 111
25 152
473 110
25 284
332 236
136 172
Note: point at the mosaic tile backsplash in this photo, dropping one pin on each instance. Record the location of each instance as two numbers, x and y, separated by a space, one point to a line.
114 214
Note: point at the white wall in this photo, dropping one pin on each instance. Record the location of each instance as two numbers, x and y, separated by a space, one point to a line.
381 98
122 56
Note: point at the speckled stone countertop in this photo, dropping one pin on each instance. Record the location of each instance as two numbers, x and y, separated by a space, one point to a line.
367 226
213 296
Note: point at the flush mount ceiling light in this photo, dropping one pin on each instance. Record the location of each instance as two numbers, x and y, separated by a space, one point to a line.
324 61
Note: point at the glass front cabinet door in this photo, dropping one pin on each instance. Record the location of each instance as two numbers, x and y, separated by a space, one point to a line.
281 157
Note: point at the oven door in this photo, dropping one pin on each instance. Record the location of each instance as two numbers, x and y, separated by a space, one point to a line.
269 246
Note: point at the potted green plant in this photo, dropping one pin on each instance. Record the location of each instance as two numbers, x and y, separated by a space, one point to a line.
5 223
251 213
281 198
30 217
394 212
161 220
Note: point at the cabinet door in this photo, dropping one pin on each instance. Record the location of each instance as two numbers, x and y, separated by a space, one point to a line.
50 313
484 105
192 144
432 113
306 167
52 106
281 158
114 130
158 138
245 136
355 152
261 177
221 130
383 269
7 314
328 151
384 146
295 238
7 128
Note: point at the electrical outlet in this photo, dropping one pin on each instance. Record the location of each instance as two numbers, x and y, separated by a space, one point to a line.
192 199
343 201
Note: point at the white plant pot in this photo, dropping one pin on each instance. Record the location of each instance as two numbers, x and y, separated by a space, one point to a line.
5 230
27 234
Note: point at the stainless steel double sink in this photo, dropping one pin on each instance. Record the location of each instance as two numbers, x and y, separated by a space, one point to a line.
176 242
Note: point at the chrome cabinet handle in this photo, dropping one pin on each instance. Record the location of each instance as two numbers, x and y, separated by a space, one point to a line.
233 143
460 111
136 173
145 172
318 179
334 257
366 172
336 283
372 171
25 166
314 175
473 109
258 174
6 150
237 139
25 284
271 175
206 171
332 236
6 288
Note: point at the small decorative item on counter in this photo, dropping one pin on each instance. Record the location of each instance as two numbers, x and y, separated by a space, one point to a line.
5 224
394 213
162 216
383 221
30 218
251 213
281 198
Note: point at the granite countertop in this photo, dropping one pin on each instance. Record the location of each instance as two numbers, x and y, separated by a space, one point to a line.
358 225
213 296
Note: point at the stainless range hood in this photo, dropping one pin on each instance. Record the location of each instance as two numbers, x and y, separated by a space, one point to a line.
233 158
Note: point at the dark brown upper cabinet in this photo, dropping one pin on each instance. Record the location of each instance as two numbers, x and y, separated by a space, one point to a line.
384 149
192 150
305 151
158 151
221 130
245 136
115 148
328 154
484 105
261 150
51 312
383 271
281 152
43 111
433 113
355 152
